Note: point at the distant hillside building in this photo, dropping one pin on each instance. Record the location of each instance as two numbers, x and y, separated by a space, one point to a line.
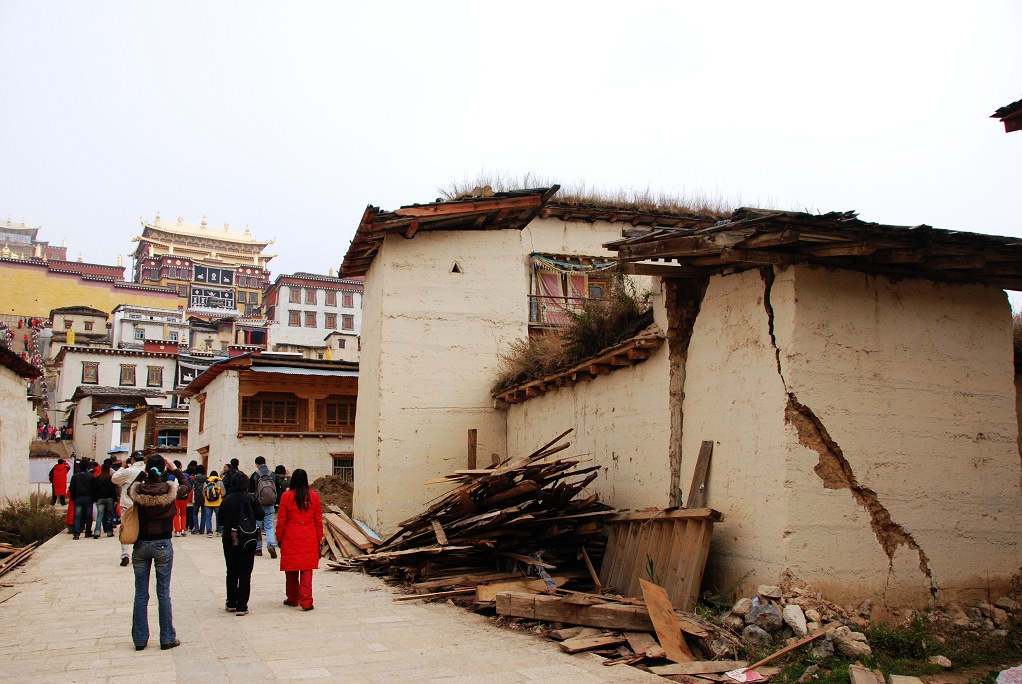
216 271
21 242
310 314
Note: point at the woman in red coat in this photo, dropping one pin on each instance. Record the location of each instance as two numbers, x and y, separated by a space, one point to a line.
299 531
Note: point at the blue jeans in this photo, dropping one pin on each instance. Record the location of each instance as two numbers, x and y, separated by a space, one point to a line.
158 552
266 524
207 519
104 510
83 515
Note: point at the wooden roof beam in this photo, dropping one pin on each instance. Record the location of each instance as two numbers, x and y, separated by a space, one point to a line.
469 206
843 249
411 230
662 270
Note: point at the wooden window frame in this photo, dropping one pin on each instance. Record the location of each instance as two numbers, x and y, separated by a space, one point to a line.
348 300
331 297
127 368
90 372
347 322
311 295
294 295
330 321
294 318
271 412
310 316
154 376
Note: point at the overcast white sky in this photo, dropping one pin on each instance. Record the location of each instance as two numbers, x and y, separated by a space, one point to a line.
292 117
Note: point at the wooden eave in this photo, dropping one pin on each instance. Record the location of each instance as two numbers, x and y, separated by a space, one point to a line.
625 214
503 211
628 353
754 238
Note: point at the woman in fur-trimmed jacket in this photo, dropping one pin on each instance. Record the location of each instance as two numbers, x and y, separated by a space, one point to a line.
154 499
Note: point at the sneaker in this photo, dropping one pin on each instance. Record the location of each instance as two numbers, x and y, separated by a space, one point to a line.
109 534
273 551
209 534
240 612
288 603
95 536
124 561
309 608
231 609
174 644
259 552
77 536
140 647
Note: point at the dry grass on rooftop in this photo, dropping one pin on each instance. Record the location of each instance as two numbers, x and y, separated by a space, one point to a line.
582 195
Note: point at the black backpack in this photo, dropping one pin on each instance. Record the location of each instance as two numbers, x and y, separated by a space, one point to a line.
247 530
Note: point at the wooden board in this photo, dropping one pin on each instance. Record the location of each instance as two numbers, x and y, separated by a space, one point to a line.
699 667
552 609
697 490
643 643
350 530
488 592
332 544
665 622
578 644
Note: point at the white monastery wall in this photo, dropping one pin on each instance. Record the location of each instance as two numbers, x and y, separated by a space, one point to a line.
893 471
431 358
219 425
17 427
621 423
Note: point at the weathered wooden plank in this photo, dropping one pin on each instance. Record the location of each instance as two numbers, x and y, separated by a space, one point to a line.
665 622
552 609
643 643
699 667
488 592
579 644
438 529
697 490
350 530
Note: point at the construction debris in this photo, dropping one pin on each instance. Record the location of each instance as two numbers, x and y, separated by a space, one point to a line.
11 556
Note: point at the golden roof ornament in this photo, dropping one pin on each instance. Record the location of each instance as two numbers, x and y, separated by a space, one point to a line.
203 224
6 251
157 221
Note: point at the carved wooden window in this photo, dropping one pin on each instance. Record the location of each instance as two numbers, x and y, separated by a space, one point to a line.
270 413
154 376
127 375
90 373
295 295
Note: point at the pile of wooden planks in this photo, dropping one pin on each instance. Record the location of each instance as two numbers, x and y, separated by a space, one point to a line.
343 538
11 556
528 514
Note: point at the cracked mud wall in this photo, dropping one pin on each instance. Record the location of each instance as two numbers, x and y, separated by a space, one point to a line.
913 479
429 355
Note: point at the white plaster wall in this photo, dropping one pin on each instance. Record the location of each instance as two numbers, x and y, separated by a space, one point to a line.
734 397
430 358
17 427
70 373
913 382
621 423
280 332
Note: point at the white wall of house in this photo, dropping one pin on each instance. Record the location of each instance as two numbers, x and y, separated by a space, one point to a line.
70 373
220 436
132 325
912 382
281 332
17 428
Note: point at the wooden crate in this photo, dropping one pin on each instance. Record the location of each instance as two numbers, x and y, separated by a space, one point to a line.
677 541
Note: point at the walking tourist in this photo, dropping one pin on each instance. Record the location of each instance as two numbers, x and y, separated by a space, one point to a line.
198 500
213 493
299 532
239 514
263 484
122 478
81 493
58 482
154 498
105 492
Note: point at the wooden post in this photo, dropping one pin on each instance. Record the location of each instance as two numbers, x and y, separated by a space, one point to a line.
472 444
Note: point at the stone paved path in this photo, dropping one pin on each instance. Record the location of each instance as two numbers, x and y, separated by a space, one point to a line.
65 616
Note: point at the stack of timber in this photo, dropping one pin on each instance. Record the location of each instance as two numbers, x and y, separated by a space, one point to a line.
343 538
11 556
528 515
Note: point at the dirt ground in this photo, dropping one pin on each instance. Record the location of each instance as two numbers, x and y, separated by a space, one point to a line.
333 490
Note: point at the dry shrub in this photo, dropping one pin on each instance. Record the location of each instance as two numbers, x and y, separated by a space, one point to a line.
33 519
600 323
583 195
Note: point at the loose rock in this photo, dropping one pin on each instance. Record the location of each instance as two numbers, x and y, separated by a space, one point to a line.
851 644
796 619
769 591
741 607
766 617
755 637
812 615
822 648
940 660
736 623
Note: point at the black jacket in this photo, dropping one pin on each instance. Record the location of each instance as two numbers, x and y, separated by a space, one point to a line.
81 485
230 512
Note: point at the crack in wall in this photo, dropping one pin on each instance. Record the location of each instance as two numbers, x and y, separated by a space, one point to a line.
833 468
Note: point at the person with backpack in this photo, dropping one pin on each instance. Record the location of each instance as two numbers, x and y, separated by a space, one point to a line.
299 531
263 484
199 500
239 514
213 493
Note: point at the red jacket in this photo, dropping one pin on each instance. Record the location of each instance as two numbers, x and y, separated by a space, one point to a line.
299 532
58 476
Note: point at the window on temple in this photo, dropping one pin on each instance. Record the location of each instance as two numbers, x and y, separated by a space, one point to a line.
173 337
563 283
168 438
331 321
294 319
348 300
139 334
340 343
344 466
295 295
90 373
331 297
127 375
88 325
336 414
347 322
67 324
270 412
310 295
154 376
310 319
242 297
